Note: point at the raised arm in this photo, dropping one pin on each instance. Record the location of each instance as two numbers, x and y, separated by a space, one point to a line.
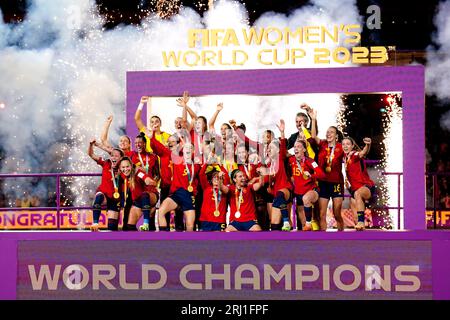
281 127
242 136
137 115
105 147
91 151
105 131
313 116
214 117
182 102
365 150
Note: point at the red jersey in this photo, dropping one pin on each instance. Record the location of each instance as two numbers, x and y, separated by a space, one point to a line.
139 186
128 154
247 203
301 184
356 171
278 178
329 155
164 154
209 205
148 162
107 184
182 172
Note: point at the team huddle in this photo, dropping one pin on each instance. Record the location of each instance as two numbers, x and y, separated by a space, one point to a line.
224 181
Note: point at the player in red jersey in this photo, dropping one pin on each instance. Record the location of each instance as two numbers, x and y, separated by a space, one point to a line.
358 182
264 198
149 163
279 184
142 188
215 203
108 189
183 188
141 158
330 157
248 164
242 202
124 145
224 143
305 172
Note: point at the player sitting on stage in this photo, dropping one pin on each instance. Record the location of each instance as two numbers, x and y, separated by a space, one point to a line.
242 202
142 187
214 206
108 189
305 172
358 182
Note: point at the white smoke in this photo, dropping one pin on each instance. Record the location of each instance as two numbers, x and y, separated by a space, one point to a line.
63 74
438 60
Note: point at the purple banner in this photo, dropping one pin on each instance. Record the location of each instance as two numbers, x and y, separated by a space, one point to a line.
253 269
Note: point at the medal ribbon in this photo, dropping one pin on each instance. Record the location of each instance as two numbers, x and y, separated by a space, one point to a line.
346 163
115 183
300 166
216 199
247 170
330 157
146 162
190 177
238 200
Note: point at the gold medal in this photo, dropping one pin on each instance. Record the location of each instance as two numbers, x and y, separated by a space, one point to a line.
116 195
305 176
216 213
237 214
190 188
328 169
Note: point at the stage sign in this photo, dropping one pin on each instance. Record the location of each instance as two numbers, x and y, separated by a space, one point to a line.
442 218
240 270
44 220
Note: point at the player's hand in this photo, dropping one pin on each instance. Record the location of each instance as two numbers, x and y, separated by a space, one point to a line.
144 99
220 106
281 126
367 140
305 107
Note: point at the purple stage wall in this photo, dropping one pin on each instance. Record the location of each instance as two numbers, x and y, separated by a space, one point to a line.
408 80
317 265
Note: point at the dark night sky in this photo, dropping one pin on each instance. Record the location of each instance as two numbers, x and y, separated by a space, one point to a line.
406 25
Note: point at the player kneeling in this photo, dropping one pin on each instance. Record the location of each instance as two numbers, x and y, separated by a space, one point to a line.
242 203
358 182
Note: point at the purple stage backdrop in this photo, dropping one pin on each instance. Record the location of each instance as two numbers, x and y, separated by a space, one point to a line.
407 80
296 265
